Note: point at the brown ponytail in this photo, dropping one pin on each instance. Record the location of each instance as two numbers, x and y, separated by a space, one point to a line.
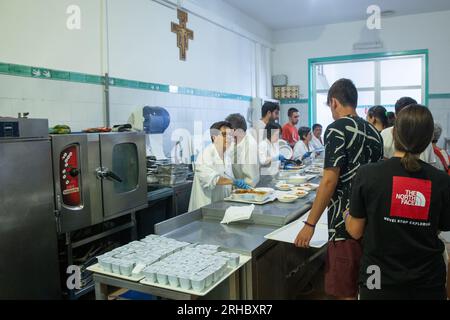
411 163
413 132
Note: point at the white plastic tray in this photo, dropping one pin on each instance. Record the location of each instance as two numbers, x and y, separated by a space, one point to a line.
289 232
242 260
270 199
97 269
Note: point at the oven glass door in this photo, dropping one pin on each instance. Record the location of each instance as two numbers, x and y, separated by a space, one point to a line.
124 166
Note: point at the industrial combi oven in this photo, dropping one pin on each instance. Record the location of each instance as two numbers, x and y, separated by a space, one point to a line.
97 177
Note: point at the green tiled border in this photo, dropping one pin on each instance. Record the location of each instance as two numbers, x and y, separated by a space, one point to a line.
50 74
431 96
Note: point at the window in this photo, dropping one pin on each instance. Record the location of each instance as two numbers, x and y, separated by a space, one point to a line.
125 164
381 79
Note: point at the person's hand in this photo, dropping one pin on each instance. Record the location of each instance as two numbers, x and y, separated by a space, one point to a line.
241 184
304 237
306 155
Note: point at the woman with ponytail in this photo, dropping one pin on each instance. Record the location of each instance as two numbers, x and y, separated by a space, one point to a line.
377 116
399 207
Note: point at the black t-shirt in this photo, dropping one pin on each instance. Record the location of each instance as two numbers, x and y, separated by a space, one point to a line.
404 212
349 143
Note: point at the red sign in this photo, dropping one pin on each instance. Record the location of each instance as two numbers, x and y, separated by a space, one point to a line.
410 198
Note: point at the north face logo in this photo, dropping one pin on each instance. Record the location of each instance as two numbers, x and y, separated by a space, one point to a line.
410 198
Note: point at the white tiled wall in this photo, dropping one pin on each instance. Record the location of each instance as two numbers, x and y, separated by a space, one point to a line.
183 109
82 105
77 105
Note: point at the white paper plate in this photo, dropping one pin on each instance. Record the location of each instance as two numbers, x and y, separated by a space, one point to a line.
287 198
288 187
286 151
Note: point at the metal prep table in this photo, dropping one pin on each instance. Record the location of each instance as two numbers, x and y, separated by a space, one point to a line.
103 283
277 270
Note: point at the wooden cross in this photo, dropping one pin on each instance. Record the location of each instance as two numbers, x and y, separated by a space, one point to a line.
183 33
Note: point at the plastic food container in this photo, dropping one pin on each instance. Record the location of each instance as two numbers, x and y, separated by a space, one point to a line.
105 263
115 266
185 282
208 277
233 259
126 268
162 278
150 273
198 282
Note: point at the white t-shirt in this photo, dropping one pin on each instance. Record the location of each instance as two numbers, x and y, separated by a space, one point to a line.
300 149
245 160
439 163
209 167
389 148
316 144
258 130
269 157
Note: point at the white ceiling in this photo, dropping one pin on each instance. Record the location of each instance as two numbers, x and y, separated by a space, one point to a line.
286 14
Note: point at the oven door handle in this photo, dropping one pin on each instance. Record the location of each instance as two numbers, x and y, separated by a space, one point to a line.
103 173
114 176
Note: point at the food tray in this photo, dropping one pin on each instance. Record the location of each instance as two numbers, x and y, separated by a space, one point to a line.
243 259
272 198
97 269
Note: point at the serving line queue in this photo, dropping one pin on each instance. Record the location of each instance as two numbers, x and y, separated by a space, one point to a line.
350 143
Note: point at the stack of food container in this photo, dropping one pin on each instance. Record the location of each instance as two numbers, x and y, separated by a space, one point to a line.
170 262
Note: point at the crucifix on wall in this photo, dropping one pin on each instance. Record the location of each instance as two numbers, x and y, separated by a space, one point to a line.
183 34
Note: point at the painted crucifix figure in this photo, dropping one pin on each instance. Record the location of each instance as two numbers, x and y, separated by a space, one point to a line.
183 34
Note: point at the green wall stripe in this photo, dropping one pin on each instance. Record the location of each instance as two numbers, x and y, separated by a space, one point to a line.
50 74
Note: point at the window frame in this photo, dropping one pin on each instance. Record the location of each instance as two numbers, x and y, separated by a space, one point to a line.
377 57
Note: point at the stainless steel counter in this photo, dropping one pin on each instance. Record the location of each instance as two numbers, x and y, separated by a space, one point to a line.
277 270
195 227
274 213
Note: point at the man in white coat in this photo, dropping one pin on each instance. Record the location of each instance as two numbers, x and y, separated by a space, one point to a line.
213 172
244 152
316 141
270 112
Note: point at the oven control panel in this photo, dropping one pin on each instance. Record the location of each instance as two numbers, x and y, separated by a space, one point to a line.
9 129
70 176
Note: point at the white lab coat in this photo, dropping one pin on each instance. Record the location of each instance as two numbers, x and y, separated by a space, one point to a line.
389 148
300 149
269 154
316 144
209 167
257 131
245 160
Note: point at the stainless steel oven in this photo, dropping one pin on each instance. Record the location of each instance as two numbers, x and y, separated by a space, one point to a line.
97 177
